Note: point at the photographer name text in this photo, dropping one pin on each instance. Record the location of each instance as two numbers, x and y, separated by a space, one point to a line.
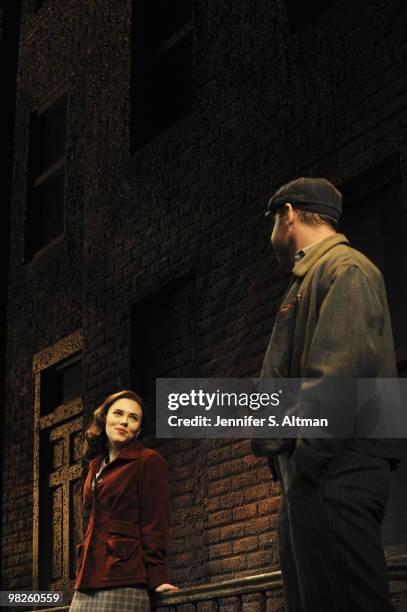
246 421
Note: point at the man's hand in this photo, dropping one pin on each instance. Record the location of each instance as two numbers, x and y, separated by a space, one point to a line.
164 588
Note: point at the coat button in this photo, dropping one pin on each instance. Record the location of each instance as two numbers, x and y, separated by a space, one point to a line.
100 480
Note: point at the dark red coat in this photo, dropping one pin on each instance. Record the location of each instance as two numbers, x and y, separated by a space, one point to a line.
126 538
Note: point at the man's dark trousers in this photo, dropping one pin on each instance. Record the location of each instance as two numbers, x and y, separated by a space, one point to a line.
330 549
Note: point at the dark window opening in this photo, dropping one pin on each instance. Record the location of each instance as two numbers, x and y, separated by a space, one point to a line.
163 337
46 177
374 220
48 133
60 384
301 13
45 213
162 73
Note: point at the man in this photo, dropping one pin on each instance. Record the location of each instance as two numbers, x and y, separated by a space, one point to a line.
333 322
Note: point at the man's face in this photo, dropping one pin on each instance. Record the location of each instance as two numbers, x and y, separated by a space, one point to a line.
280 236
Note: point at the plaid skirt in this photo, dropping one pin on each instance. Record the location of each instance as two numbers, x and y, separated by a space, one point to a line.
118 599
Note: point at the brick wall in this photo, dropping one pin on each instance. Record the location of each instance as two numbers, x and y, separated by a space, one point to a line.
329 99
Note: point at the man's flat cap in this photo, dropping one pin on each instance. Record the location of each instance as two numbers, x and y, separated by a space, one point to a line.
311 194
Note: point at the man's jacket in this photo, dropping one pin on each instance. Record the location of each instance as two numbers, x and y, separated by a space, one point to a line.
126 538
333 322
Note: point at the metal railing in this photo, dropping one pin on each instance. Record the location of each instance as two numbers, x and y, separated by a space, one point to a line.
242 591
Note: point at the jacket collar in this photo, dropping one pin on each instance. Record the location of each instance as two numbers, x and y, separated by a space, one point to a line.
130 451
316 251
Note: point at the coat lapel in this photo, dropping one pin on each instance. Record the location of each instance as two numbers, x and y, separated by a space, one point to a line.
130 451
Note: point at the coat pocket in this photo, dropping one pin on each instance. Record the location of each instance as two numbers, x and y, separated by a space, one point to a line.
122 549
123 558
277 360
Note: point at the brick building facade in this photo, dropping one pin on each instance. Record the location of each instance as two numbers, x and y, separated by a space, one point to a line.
144 153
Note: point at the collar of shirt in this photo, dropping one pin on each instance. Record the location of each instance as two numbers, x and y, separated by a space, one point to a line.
104 463
302 252
314 251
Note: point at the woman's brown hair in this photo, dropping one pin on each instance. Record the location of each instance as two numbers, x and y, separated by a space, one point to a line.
95 435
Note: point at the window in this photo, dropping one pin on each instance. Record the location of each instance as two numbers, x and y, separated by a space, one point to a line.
300 13
60 384
163 336
374 220
162 74
46 176
58 442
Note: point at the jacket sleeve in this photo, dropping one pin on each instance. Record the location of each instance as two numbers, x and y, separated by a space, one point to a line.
154 519
87 491
347 343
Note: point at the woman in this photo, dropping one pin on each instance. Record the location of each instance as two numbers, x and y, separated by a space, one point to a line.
126 493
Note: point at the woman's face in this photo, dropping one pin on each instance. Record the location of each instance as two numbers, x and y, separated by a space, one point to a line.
123 421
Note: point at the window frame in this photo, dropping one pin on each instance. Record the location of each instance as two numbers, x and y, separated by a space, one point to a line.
35 181
146 71
69 416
